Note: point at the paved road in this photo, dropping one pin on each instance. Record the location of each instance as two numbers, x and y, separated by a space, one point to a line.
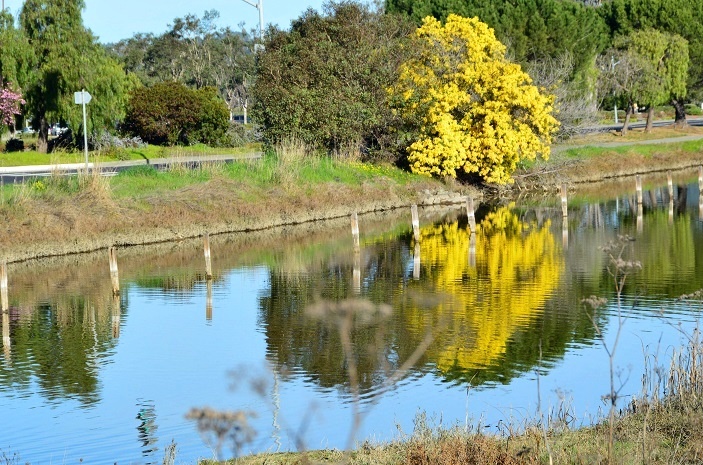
11 174
691 120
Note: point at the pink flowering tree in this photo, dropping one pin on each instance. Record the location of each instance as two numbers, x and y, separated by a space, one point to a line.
9 107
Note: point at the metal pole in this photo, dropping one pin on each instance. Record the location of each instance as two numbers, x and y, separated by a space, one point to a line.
616 113
85 131
259 5
261 19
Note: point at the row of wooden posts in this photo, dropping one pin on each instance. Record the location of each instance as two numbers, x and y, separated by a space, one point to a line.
415 218
638 189
470 211
114 274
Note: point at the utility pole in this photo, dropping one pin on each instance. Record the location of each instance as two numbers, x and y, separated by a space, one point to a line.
259 5
612 69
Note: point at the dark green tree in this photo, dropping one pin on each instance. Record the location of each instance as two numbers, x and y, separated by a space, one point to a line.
195 52
655 66
681 17
531 29
68 59
170 113
324 82
16 57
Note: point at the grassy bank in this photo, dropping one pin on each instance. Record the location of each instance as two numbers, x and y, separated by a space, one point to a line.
65 214
597 157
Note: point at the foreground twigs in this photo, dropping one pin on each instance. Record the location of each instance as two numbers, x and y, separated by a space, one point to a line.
619 269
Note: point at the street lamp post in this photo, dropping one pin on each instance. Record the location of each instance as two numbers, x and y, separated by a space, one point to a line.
613 63
259 5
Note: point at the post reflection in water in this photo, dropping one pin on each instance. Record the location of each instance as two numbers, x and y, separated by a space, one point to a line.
700 206
671 210
6 343
565 232
356 272
472 250
640 218
208 301
416 261
147 428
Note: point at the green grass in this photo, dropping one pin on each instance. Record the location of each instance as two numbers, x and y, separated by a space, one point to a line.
268 172
148 152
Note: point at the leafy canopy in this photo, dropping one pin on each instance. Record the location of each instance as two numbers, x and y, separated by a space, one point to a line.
68 59
680 17
532 29
169 113
325 81
666 63
470 109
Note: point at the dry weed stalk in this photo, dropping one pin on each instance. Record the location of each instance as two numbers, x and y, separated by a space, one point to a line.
619 269
217 427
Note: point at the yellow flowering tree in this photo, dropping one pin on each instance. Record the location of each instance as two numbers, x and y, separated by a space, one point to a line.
467 106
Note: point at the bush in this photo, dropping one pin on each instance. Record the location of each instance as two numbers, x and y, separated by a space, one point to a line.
14 145
693 109
242 134
113 146
169 113
324 82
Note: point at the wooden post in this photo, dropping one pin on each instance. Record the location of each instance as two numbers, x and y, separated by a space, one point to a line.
114 273
115 314
355 229
208 262
416 262
416 222
670 185
3 288
356 273
564 207
638 187
470 213
208 301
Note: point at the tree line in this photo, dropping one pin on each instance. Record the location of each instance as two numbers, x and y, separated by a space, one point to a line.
395 83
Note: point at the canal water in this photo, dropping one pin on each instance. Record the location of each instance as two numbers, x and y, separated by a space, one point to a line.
302 342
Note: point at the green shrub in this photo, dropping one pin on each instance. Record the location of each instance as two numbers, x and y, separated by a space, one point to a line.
14 145
693 109
170 113
324 82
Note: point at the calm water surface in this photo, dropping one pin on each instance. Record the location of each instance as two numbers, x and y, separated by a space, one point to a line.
299 333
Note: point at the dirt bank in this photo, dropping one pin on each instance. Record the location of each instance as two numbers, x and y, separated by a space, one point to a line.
93 220
608 165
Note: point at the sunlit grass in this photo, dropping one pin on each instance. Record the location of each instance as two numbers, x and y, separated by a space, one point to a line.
147 152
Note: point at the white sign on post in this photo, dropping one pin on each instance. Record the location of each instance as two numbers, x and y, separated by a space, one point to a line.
81 98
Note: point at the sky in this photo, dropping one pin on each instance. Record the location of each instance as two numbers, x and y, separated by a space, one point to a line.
113 20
